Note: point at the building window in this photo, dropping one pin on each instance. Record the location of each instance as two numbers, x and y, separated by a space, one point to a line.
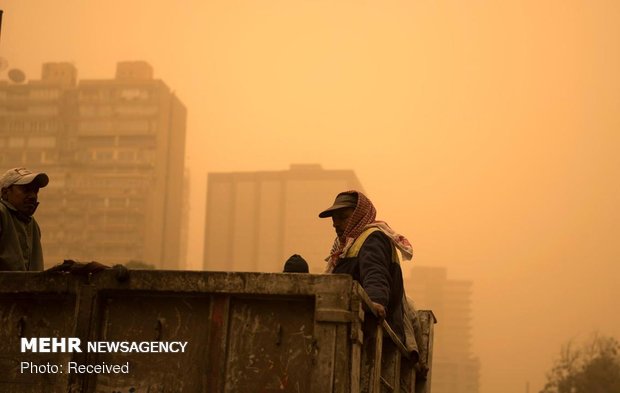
133 94
33 157
17 107
15 142
133 125
95 126
117 202
95 110
49 157
146 156
12 158
103 155
142 141
45 94
49 125
42 141
20 94
95 94
136 109
126 155
136 202
43 110
87 110
96 141
104 110
15 126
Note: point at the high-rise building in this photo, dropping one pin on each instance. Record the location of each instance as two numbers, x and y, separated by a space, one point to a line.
256 220
455 368
114 150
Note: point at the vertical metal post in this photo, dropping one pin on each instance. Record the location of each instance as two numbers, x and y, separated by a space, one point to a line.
376 369
1 22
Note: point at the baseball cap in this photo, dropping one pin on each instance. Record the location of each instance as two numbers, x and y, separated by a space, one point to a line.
344 199
22 176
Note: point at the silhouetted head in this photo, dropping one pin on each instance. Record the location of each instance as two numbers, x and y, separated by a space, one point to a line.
296 264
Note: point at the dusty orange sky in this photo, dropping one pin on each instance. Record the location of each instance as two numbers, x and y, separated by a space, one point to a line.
487 132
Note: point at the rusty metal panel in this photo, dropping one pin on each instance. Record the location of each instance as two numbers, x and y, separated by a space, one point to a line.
270 345
342 365
34 306
142 316
427 322
257 332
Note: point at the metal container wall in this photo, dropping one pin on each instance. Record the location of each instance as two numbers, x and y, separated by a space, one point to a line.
245 332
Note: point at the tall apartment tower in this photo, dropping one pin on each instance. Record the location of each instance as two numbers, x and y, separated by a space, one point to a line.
455 369
256 220
114 150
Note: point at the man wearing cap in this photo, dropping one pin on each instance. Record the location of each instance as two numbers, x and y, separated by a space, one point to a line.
20 236
366 249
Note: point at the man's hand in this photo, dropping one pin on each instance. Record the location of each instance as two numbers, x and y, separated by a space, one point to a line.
379 309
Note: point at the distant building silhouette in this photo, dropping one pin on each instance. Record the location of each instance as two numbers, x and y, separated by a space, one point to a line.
256 220
185 215
455 369
114 151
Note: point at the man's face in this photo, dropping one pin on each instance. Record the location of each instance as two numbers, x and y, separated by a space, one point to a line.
340 218
22 197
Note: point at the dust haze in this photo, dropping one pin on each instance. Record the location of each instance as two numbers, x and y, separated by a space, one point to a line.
487 132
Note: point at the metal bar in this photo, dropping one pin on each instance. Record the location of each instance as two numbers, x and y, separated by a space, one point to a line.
376 369
399 344
1 12
387 385
368 307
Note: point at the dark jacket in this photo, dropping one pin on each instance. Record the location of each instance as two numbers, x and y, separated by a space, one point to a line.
379 275
20 240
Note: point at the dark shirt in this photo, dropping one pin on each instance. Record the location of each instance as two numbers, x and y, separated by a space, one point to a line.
379 275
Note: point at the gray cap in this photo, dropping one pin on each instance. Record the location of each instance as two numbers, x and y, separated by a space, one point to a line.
344 199
22 176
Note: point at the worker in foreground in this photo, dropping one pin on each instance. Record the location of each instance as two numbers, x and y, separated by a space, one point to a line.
366 249
20 236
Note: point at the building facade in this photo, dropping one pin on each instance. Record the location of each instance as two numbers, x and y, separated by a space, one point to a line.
455 368
256 220
114 150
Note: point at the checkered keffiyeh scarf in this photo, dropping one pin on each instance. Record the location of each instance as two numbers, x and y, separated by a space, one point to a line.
363 217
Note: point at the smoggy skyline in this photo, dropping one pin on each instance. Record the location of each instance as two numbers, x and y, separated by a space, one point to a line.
488 133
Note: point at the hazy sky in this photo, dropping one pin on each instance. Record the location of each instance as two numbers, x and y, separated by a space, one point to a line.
488 132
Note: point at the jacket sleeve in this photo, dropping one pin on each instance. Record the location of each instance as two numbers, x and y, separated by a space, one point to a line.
374 260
